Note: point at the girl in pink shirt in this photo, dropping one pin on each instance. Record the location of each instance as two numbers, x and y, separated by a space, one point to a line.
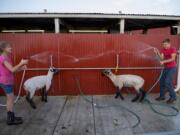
168 57
7 71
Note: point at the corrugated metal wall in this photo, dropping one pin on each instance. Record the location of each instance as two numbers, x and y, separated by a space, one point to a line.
86 51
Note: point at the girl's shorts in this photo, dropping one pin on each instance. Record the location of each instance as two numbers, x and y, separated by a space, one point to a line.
8 89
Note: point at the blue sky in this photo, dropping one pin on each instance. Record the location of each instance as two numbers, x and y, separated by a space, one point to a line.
171 7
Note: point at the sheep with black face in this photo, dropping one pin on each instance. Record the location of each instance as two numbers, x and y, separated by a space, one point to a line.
42 82
127 80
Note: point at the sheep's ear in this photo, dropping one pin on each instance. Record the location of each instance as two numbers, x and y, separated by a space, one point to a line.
106 70
51 69
103 71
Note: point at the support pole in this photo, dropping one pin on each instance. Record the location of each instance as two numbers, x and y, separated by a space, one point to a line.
57 25
122 26
178 76
178 28
117 63
51 60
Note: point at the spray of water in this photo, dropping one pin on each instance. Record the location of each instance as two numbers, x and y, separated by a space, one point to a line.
142 50
42 57
90 57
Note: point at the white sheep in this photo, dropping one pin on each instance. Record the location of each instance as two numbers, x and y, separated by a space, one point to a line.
42 82
128 80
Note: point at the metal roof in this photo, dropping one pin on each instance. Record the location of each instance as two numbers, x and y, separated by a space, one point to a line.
89 15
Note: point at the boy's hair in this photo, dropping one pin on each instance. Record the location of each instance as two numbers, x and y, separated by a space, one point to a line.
167 40
3 45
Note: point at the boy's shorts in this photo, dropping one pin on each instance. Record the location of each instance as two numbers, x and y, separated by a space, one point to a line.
8 89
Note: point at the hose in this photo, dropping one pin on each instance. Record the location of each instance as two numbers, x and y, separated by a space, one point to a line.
151 104
20 89
146 100
107 106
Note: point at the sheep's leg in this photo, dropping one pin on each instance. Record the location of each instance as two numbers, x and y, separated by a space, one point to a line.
42 94
45 96
32 104
28 96
48 84
30 101
136 98
143 94
46 93
118 93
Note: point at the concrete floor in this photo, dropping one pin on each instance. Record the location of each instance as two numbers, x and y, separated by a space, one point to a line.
64 115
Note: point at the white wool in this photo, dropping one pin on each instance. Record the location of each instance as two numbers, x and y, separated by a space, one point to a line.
38 82
127 81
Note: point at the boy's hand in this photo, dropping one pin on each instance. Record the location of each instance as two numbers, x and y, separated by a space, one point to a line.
24 62
156 50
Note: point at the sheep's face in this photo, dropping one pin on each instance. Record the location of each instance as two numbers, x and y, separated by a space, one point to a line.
53 70
107 72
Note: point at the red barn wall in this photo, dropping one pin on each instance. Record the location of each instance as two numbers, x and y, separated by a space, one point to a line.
163 31
87 51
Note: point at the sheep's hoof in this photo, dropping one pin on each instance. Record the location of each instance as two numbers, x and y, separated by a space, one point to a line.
45 100
33 105
27 98
116 96
136 98
143 94
122 98
119 95
42 99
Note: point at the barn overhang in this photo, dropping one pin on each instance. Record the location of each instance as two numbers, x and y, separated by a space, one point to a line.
64 22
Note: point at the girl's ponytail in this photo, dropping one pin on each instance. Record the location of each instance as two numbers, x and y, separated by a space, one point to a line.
3 45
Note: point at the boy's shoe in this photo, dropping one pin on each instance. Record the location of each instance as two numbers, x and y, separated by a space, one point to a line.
12 120
171 100
160 99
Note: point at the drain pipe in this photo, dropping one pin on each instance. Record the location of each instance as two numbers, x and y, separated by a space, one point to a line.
178 76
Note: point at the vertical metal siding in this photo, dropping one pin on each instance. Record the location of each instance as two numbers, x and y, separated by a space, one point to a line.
86 51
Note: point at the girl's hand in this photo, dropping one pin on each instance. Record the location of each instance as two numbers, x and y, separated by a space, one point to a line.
24 67
24 62
162 62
